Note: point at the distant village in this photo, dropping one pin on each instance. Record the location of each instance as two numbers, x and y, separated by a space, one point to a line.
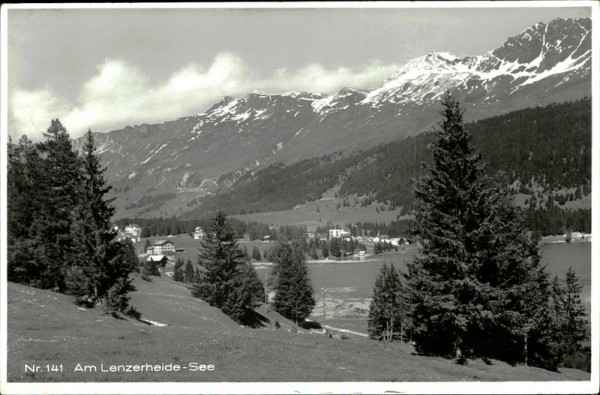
158 251
164 250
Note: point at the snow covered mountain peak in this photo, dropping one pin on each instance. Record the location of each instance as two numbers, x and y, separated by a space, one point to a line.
553 53
543 50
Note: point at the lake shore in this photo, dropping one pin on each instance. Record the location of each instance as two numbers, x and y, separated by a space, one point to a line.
576 237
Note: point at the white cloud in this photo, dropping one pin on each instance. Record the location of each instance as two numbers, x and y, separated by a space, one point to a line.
31 112
121 94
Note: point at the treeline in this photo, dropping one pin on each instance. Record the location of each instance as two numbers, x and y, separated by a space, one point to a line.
257 231
60 234
334 247
556 221
396 228
160 226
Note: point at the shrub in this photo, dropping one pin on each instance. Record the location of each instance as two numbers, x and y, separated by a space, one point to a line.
133 313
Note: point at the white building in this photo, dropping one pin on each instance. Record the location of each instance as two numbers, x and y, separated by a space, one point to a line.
164 247
361 255
198 233
133 232
339 233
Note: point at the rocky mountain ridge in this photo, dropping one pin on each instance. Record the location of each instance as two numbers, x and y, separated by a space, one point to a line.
186 158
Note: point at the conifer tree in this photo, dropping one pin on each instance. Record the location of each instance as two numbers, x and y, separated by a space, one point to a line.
334 247
386 310
294 293
256 253
313 253
227 282
477 287
573 315
151 268
189 275
178 270
59 195
246 254
247 292
544 338
124 262
325 250
219 255
23 208
95 254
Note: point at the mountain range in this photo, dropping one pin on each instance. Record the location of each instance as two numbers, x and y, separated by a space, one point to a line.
169 165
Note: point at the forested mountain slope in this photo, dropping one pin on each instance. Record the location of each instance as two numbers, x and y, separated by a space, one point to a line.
543 151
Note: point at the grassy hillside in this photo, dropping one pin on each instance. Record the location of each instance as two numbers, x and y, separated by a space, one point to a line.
45 327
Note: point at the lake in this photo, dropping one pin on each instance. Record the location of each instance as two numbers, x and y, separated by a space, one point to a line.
346 288
559 256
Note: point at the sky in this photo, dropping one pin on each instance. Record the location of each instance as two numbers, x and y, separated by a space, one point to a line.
104 69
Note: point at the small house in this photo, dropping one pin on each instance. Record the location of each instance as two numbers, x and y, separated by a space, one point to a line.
198 233
160 259
361 255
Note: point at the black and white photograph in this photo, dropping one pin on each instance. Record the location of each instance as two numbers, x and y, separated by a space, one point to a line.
280 197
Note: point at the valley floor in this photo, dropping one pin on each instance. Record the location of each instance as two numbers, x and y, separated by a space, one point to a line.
47 328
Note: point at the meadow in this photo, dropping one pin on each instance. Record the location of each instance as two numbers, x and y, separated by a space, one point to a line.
48 328
326 210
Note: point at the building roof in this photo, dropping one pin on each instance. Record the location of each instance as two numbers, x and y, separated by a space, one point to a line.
156 258
162 242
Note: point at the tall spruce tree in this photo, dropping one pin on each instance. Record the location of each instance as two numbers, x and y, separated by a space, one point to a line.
256 253
247 292
294 293
58 195
94 254
334 247
228 282
24 177
116 297
97 261
386 311
219 255
189 274
178 270
572 312
477 287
